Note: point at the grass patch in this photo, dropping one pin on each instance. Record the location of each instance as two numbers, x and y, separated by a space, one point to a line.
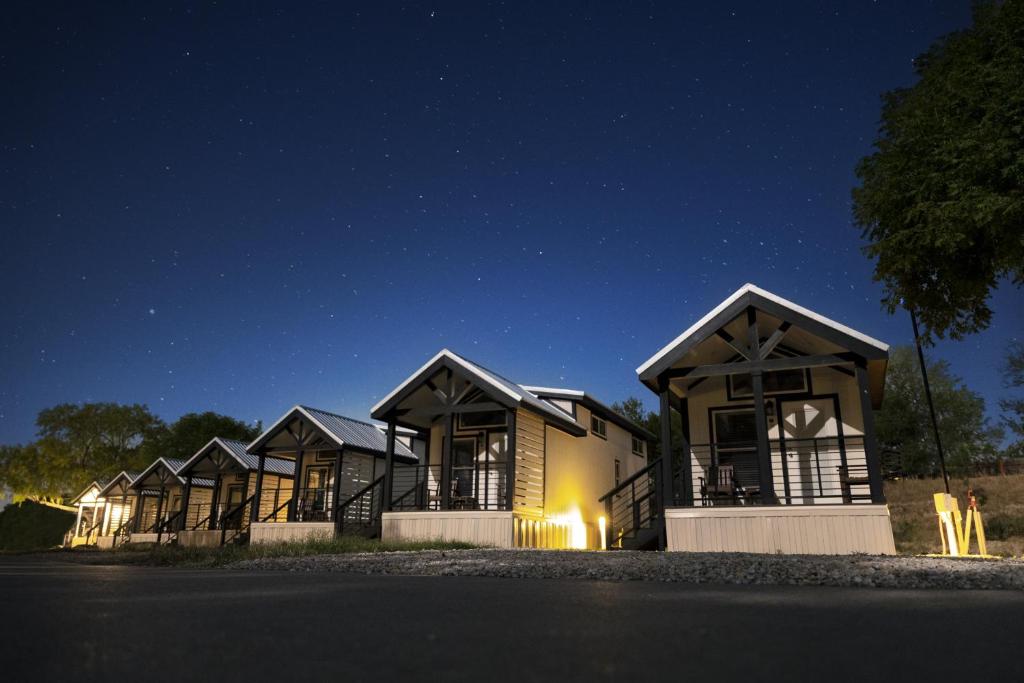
29 525
179 556
915 526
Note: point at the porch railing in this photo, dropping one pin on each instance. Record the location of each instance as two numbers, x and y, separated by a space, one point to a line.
818 470
419 487
314 505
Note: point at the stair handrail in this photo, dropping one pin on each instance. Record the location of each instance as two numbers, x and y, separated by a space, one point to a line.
652 465
231 512
280 507
339 511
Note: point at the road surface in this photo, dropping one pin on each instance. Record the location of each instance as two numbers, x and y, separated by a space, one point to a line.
120 623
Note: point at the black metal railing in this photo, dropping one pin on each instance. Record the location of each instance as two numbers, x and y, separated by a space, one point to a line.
168 527
480 487
633 508
416 487
803 471
361 512
314 505
234 522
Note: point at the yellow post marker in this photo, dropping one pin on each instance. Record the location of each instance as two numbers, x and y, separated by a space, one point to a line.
947 531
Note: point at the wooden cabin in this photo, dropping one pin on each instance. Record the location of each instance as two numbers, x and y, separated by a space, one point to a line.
338 464
777 452
233 471
91 512
506 464
120 497
166 502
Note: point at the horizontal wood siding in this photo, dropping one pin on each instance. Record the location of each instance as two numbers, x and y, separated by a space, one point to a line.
276 491
810 530
481 527
530 451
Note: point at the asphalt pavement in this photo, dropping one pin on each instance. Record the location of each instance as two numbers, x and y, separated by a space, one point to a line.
86 623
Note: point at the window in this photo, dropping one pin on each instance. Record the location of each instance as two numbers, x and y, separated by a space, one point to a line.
598 427
638 446
618 472
775 382
486 418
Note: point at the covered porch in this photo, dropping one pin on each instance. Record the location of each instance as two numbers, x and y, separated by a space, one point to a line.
338 466
765 406
121 505
92 510
225 517
481 478
164 502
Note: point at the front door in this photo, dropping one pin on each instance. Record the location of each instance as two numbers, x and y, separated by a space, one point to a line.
812 455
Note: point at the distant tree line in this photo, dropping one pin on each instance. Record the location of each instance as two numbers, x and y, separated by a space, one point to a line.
903 426
78 443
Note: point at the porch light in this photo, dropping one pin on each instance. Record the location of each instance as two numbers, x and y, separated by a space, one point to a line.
602 524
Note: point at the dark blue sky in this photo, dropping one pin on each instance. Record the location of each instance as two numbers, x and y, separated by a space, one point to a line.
240 210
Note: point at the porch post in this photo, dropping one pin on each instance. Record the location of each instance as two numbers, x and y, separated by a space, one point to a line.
871 456
78 521
293 504
214 502
140 502
254 512
510 457
389 467
447 453
336 493
159 513
124 504
764 453
185 496
686 466
665 475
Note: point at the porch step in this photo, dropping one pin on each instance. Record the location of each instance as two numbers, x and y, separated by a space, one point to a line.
640 539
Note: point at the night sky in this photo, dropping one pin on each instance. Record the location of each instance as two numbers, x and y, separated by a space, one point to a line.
213 208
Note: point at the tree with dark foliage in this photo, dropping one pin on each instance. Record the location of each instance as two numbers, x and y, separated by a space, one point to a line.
941 201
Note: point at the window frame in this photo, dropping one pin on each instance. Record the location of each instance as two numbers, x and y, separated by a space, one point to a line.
598 426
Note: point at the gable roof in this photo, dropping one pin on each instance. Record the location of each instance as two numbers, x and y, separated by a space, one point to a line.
174 465
237 451
345 432
95 483
127 477
593 405
752 295
505 391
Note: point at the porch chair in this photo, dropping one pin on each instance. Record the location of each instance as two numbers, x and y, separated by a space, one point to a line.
848 479
722 485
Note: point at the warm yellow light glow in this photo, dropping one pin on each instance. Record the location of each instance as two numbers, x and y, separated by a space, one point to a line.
602 524
573 521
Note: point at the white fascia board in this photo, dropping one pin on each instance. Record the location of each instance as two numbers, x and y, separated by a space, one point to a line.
751 288
462 363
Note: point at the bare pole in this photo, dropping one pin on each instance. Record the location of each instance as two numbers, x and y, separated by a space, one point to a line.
928 395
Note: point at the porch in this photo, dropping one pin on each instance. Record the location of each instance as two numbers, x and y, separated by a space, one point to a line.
166 502
120 511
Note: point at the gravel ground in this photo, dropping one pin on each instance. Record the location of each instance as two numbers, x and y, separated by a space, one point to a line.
715 568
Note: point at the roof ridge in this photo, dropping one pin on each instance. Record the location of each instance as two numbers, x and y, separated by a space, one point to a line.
343 417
